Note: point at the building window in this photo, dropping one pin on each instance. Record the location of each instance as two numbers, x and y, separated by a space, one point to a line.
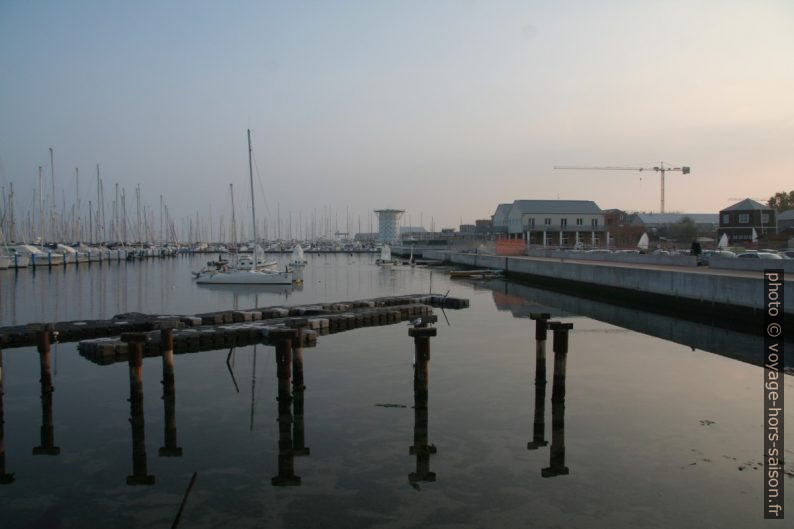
594 223
547 221
563 223
744 218
531 222
764 218
579 222
726 218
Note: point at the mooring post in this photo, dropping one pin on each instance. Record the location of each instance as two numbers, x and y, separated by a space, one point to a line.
283 339
297 363
539 424
557 452
421 448
140 474
171 448
44 333
5 477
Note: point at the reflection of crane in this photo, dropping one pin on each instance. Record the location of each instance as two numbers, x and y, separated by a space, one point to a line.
661 169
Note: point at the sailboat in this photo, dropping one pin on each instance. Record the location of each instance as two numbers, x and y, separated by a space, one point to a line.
643 242
723 244
254 276
385 256
298 258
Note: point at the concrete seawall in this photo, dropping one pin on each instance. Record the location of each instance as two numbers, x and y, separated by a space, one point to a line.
708 291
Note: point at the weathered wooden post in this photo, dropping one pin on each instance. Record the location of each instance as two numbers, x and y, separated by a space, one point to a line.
140 474
5 477
557 452
421 447
44 334
283 339
539 424
171 448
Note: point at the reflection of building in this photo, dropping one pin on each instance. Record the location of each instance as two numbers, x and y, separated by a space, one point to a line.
740 219
389 224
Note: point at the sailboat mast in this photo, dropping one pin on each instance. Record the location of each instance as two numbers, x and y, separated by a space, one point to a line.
251 177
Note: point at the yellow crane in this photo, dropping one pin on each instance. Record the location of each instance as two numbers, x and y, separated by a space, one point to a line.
661 169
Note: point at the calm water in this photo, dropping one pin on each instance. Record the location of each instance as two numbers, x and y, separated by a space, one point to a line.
662 418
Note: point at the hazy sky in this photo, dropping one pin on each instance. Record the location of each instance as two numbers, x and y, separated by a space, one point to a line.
441 107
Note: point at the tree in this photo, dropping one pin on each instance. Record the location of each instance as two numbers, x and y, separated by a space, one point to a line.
782 201
684 230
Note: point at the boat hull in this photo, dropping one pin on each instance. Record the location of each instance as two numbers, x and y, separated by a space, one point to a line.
246 278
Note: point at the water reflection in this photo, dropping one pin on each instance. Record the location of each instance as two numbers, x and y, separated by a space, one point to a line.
421 448
140 474
5 477
47 446
557 450
710 334
286 449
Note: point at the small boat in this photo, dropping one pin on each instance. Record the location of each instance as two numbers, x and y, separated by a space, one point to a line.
298 258
460 274
255 276
385 257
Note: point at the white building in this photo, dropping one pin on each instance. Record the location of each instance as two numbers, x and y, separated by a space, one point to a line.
389 224
562 223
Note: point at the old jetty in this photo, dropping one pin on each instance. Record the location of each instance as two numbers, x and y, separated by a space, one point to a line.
102 341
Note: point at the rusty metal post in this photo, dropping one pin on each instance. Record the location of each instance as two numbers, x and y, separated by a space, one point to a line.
140 474
557 452
421 448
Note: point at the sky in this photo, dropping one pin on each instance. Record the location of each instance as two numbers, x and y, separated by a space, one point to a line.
444 108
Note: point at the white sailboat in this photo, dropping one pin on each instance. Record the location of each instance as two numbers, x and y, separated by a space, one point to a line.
723 244
643 242
298 258
254 276
385 256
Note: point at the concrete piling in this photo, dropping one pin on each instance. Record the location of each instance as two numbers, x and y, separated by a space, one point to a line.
421 447
557 452
140 474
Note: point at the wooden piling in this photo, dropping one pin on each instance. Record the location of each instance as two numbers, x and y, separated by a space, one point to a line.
421 447
140 474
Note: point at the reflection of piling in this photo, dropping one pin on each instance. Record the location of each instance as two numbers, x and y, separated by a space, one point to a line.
539 423
43 340
421 447
140 474
171 448
557 453
286 457
5 478
299 447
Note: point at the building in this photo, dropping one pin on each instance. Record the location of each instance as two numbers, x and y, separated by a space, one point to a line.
785 222
499 218
563 223
740 219
623 231
706 223
483 226
468 229
389 224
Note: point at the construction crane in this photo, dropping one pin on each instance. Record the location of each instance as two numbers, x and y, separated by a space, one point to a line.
661 169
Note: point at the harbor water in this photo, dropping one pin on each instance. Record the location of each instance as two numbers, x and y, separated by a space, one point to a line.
661 424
